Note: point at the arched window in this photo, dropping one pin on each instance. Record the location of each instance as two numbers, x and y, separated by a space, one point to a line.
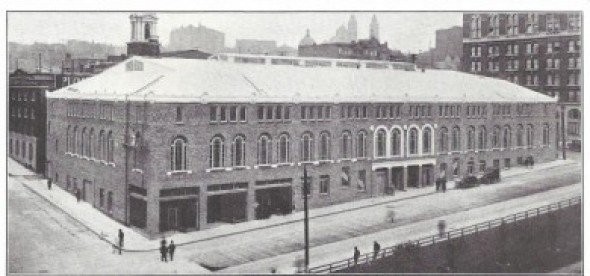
100 146
496 137
283 149
413 141
178 154
546 134
306 147
68 140
530 135
507 137
216 152
427 141
83 142
325 146
264 149
346 145
75 140
396 142
110 147
361 144
381 142
482 138
443 139
136 149
456 139
471 138
90 143
238 151
519 136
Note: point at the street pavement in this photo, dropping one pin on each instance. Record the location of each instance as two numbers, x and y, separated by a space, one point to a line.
266 243
42 239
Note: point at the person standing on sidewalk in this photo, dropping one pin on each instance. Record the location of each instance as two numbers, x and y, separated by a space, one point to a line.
171 249
163 251
49 184
376 249
121 240
77 195
357 254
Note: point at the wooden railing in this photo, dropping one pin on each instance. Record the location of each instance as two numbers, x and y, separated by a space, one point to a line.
455 233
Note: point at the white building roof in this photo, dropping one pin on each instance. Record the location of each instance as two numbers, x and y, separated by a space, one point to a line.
189 80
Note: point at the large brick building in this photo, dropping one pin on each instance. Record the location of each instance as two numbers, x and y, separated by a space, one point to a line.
541 51
186 144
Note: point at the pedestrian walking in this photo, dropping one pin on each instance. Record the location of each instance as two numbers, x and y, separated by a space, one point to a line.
49 184
444 185
376 249
121 238
163 251
357 254
171 249
442 225
77 195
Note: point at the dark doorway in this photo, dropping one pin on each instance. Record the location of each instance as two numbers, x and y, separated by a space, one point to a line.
397 178
180 214
138 212
230 207
273 201
413 176
427 175
382 181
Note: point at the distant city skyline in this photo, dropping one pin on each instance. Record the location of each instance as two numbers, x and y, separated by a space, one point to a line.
405 31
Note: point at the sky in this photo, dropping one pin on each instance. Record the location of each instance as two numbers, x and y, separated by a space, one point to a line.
405 31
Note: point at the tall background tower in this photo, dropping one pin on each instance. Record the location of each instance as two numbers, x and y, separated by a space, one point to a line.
374 28
352 35
144 38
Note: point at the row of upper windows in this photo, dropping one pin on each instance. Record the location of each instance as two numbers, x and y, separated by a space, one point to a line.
221 113
552 80
512 24
531 48
89 110
392 111
23 96
18 112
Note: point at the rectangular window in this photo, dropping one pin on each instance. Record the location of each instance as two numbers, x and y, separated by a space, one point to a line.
328 111
222 114
311 112
287 113
320 112
325 184
279 112
269 112
507 163
365 113
178 114
242 114
233 113
212 113
303 113
261 112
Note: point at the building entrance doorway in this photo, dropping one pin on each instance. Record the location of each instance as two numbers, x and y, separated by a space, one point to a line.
273 201
397 178
382 181
138 212
413 176
228 207
427 175
178 214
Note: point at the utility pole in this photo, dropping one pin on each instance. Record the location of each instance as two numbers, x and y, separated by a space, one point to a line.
306 218
563 131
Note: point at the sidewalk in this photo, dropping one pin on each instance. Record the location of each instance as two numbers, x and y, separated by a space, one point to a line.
106 228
